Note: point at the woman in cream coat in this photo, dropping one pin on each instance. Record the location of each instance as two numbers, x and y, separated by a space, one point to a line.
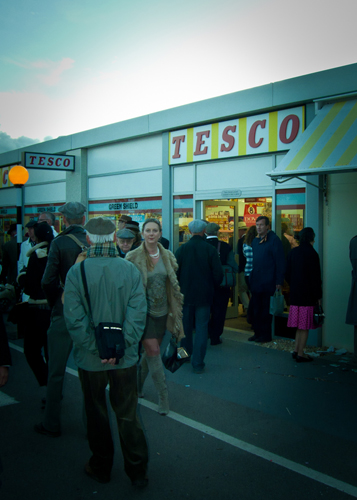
158 271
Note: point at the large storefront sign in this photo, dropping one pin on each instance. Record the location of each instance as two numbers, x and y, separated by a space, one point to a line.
264 133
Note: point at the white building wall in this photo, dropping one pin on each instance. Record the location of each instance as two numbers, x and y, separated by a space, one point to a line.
245 174
184 179
49 193
340 225
134 154
7 197
44 176
236 174
128 185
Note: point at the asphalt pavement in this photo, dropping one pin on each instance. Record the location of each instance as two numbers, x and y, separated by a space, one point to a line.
254 425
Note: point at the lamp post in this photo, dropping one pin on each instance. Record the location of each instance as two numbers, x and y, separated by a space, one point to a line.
18 176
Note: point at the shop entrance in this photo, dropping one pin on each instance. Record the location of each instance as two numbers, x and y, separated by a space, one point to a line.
234 218
225 214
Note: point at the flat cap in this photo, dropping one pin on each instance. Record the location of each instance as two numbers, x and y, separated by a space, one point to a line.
197 226
242 225
212 228
125 234
133 226
125 218
73 210
31 223
100 226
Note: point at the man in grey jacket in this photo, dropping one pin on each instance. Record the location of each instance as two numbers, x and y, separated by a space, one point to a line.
116 295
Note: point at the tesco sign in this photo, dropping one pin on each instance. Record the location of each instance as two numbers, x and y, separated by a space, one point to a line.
48 162
264 133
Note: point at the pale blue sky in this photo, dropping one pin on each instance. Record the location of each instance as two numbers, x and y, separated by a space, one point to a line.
73 65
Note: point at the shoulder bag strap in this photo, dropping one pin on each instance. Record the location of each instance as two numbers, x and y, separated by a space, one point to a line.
84 279
76 240
219 248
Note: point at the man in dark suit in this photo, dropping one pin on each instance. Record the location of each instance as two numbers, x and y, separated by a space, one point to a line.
199 272
5 356
266 277
221 293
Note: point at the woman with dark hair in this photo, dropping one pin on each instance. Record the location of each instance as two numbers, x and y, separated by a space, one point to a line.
158 270
303 274
35 337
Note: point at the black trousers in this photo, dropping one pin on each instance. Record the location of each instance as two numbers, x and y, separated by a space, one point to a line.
260 304
124 399
218 313
35 338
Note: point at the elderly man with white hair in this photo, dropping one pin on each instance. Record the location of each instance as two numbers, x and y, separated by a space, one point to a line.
199 272
50 218
116 295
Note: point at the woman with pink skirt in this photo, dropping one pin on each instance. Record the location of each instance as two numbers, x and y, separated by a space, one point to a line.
303 274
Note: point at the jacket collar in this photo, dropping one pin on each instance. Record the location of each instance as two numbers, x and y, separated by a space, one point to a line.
36 247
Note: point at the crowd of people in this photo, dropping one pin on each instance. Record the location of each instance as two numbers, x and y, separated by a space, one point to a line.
94 273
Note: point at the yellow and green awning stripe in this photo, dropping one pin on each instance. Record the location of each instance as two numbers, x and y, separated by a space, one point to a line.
329 143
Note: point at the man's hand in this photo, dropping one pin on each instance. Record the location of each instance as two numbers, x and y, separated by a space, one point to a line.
4 375
110 361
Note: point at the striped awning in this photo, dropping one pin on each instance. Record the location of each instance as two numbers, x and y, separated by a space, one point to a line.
329 144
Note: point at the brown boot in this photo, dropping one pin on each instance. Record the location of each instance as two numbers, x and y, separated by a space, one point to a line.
156 369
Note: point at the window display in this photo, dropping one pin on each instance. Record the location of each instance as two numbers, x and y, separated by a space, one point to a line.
183 215
290 213
138 209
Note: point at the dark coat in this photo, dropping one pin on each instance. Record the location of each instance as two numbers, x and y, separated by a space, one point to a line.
226 254
224 250
63 254
35 268
199 271
303 274
164 242
9 261
268 264
5 356
242 260
351 316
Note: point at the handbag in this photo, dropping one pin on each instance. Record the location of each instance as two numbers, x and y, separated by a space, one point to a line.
174 356
319 315
229 277
109 336
276 303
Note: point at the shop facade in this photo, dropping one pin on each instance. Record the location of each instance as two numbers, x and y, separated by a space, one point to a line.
211 160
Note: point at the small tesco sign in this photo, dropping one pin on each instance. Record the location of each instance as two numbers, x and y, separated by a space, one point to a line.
48 162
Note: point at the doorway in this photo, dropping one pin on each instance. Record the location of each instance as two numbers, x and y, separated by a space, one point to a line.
235 217
225 214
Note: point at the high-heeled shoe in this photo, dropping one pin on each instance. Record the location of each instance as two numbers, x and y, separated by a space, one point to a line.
294 354
302 359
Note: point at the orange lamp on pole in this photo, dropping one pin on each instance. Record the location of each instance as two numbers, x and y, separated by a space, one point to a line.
18 176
